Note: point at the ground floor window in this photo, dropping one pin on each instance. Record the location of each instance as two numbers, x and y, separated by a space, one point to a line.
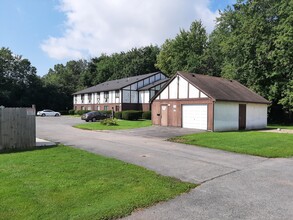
106 108
82 108
89 108
117 108
98 108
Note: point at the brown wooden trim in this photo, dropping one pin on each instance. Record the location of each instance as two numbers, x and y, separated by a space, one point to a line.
242 116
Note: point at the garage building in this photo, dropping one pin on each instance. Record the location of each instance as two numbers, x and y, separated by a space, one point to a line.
204 102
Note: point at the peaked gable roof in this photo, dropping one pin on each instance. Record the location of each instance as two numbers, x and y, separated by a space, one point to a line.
221 89
115 84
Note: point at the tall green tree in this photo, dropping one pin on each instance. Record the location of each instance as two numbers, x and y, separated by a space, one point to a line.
136 61
62 81
19 84
255 40
185 52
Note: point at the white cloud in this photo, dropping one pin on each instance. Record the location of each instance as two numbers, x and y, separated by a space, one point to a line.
105 26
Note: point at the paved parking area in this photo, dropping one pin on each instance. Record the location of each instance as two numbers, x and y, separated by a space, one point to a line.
233 186
158 132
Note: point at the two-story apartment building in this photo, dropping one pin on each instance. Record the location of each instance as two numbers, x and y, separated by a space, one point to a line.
132 93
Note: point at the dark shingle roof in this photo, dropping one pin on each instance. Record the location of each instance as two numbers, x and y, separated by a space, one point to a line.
222 89
153 84
115 84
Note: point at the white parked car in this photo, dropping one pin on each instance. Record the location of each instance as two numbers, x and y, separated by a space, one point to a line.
48 112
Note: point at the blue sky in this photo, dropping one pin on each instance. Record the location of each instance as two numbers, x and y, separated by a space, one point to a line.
48 32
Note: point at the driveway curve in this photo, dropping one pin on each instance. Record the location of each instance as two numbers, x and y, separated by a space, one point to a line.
233 186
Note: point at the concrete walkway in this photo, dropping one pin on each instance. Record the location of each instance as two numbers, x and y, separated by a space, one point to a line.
44 143
233 186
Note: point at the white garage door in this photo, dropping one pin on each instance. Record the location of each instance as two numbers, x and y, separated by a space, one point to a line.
195 116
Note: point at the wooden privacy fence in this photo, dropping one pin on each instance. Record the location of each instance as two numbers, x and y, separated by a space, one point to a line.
17 128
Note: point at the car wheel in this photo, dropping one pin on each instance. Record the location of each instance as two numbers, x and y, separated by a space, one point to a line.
94 119
87 120
56 115
43 115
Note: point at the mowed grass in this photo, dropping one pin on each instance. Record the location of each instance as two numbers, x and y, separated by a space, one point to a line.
264 144
66 183
122 124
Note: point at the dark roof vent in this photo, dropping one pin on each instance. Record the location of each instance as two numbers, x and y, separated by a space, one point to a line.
193 75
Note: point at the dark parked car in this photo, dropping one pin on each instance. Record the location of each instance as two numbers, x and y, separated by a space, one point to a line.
94 116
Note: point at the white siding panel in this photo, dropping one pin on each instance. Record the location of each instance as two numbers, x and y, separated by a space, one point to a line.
141 97
226 116
94 99
256 116
86 100
146 97
173 89
111 97
126 96
78 101
164 93
193 92
183 88
101 97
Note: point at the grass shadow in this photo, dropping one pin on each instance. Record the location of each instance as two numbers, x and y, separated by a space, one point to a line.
12 151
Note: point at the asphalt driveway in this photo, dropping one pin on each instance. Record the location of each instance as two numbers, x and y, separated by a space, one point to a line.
233 186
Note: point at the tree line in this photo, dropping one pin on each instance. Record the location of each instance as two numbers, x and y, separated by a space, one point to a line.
252 43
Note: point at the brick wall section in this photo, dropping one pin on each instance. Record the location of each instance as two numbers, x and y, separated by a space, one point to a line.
175 113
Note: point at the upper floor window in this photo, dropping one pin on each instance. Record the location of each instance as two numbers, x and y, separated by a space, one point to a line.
117 94
106 96
82 98
75 98
98 97
89 97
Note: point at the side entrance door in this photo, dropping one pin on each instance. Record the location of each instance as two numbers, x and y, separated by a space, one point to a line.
242 116
164 115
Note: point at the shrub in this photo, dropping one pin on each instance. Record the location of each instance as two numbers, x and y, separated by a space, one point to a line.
147 115
118 115
131 115
71 112
107 112
109 122
81 112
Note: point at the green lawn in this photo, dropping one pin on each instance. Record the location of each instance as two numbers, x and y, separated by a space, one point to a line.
290 127
66 183
122 124
265 144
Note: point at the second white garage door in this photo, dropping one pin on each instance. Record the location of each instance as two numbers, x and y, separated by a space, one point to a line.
195 116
